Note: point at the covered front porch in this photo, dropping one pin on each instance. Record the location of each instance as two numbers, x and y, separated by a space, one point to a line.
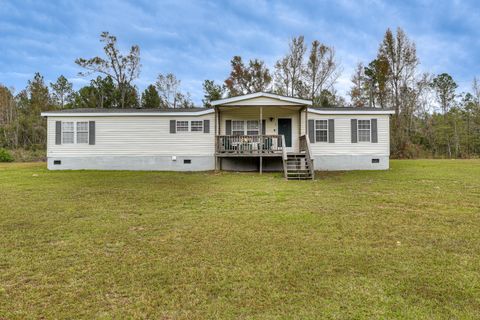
260 126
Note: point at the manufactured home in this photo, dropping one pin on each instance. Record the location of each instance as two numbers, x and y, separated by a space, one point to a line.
259 131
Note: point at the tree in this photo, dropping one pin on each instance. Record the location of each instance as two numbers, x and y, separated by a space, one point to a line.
444 87
9 128
321 70
358 92
476 91
211 92
289 69
168 87
244 80
39 96
399 54
150 97
101 93
62 92
259 76
377 74
123 69
31 102
131 97
328 98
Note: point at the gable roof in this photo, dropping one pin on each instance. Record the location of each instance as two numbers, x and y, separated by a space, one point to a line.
281 99
349 110
98 112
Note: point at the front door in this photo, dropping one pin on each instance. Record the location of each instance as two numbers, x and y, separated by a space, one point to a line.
285 128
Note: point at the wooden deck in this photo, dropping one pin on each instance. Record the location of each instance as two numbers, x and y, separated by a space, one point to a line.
250 146
296 166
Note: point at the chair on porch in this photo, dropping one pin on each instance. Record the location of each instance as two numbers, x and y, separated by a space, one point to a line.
267 144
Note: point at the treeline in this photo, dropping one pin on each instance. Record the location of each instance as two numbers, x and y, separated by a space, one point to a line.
431 118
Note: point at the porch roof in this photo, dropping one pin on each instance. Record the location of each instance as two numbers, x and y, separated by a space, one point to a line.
262 99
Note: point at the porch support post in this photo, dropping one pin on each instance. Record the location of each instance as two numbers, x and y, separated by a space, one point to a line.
306 120
260 126
216 138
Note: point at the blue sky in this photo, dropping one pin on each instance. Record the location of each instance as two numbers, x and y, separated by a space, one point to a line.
196 39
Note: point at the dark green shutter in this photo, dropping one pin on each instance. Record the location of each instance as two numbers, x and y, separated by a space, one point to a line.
374 130
58 132
331 130
263 127
206 126
228 127
353 129
91 132
173 126
311 130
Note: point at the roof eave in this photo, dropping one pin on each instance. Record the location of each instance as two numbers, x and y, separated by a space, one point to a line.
359 111
226 101
124 114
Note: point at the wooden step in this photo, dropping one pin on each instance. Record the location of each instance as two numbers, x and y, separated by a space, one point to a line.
298 167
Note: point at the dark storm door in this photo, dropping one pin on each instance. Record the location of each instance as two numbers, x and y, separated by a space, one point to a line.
285 128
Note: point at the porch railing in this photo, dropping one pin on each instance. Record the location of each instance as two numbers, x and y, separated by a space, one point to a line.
305 147
250 144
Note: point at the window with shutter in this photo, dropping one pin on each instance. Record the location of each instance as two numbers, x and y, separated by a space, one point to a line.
182 126
321 130
68 132
363 130
196 126
82 132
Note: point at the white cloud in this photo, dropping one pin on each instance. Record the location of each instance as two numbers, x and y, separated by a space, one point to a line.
196 40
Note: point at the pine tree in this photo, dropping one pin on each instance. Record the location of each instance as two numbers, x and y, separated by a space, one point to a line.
150 98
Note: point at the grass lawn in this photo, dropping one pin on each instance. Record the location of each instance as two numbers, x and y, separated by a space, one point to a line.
403 243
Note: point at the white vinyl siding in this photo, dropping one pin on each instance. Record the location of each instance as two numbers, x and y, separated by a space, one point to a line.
68 132
343 139
135 136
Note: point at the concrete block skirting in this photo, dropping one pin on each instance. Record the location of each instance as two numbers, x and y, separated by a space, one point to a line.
350 162
147 163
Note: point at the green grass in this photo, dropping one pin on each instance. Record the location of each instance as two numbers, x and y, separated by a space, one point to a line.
403 243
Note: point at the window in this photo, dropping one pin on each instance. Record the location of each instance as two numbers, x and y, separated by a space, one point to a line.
252 127
364 130
238 128
196 126
375 160
187 161
68 132
321 130
82 132
182 126
57 162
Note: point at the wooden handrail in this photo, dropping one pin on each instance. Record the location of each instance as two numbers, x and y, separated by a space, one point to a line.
305 147
253 144
284 157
